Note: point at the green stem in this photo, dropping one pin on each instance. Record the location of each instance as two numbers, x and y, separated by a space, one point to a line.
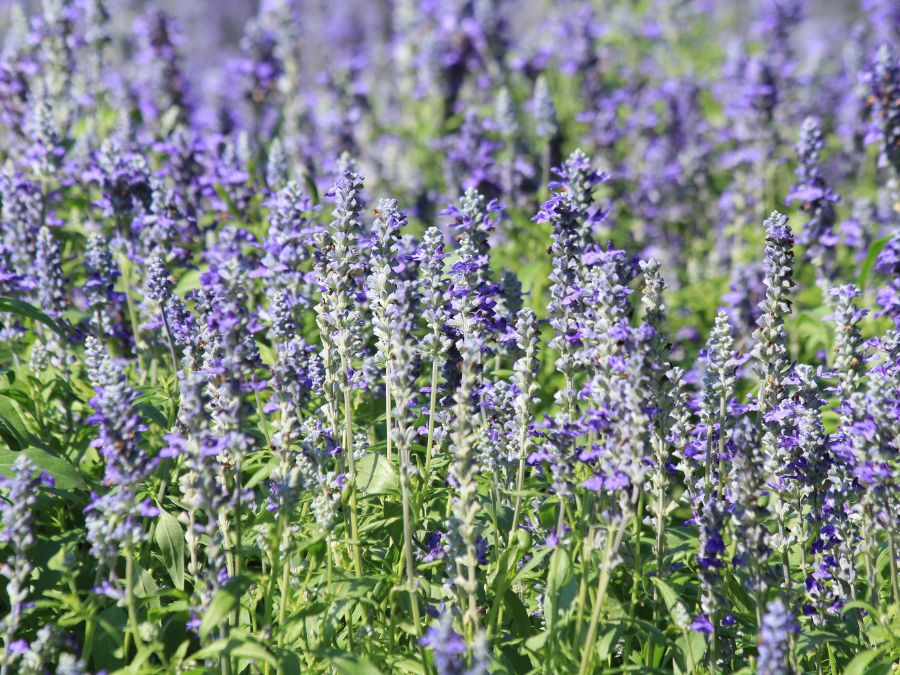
707 482
431 410
351 466
285 586
264 422
520 480
721 448
832 662
583 583
609 548
90 625
170 340
407 546
273 573
638 567
494 521
892 564
237 517
129 600
387 409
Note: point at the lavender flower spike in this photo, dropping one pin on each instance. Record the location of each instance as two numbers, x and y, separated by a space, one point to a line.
771 350
774 640
17 513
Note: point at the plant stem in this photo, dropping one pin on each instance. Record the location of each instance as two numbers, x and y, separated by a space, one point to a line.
285 581
237 517
387 409
90 625
520 480
638 567
129 599
169 339
892 565
407 546
609 547
495 498
275 568
351 466
707 482
431 410
721 448
583 583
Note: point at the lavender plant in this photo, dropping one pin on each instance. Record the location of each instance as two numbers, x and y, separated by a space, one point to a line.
241 437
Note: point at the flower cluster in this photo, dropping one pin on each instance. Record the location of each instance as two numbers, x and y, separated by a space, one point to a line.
547 391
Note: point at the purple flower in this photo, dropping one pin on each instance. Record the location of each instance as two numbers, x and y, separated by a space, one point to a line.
774 639
446 645
702 624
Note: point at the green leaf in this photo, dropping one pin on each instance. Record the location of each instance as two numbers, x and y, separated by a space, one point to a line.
536 642
307 610
170 539
693 647
66 476
350 664
12 429
869 262
236 646
223 602
108 639
229 202
560 570
375 475
812 329
605 644
859 604
517 613
145 586
558 575
148 411
860 662
189 281
669 596
289 662
21 308
531 565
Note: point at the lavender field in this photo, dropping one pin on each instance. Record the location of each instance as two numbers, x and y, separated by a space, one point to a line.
450 337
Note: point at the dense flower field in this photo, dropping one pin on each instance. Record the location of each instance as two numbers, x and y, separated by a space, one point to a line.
452 336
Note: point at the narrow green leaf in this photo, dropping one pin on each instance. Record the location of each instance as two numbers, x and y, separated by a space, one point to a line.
21 308
66 476
350 664
669 596
189 281
517 613
861 661
536 642
229 202
560 570
869 262
558 575
223 602
12 429
531 565
605 644
145 586
860 604
236 647
289 662
170 539
149 412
